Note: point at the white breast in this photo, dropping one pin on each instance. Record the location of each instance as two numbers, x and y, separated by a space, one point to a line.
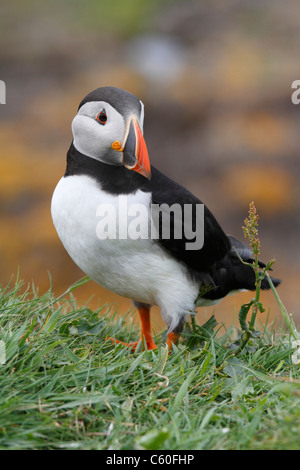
135 268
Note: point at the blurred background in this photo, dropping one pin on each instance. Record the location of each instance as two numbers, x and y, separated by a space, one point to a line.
215 77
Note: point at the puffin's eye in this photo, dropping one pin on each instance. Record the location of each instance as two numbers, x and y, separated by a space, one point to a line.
102 117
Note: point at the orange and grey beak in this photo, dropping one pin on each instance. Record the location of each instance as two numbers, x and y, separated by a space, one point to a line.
135 153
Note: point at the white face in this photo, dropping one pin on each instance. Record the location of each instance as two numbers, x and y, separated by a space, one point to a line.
94 139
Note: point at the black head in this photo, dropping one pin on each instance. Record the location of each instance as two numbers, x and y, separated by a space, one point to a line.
108 128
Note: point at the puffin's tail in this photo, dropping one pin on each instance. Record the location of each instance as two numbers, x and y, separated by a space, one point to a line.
231 274
244 274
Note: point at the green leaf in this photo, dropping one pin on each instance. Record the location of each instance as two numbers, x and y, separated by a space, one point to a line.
82 327
126 408
134 365
234 367
242 387
163 360
183 389
243 315
206 362
153 439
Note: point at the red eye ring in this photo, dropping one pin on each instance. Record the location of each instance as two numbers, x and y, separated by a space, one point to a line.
102 117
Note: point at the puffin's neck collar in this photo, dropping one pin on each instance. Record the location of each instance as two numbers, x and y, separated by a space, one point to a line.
112 179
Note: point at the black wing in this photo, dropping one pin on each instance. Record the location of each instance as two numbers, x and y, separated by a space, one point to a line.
119 180
234 273
216 243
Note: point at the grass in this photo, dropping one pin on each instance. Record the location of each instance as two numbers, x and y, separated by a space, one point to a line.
62 386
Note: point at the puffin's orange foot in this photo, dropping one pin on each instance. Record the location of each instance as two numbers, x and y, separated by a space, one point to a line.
150 343
146 336
172 338
128 345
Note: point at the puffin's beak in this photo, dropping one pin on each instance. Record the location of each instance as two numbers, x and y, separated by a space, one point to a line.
135 153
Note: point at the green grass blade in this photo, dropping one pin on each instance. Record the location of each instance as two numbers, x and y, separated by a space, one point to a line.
184 388
287 318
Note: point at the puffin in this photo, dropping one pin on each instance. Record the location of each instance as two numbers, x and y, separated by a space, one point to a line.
134 230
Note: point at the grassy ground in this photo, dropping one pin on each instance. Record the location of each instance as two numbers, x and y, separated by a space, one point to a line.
63 387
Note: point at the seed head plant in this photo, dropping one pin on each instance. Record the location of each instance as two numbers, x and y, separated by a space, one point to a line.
250 230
